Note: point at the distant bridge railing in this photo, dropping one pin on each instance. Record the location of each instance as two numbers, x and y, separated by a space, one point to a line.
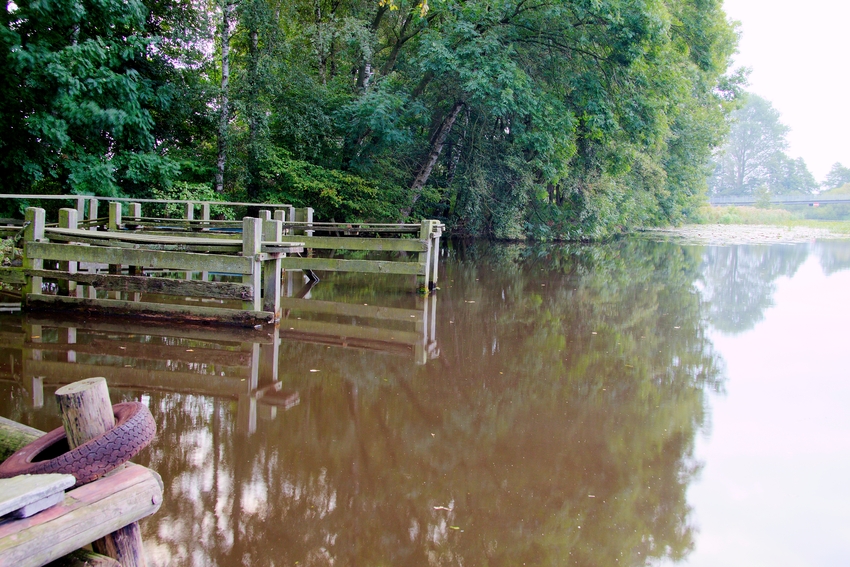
815 200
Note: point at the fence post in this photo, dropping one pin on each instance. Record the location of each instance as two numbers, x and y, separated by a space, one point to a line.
93 214
188 214
134 211
281 215
425 257
435 259
135 214
252 236
68 219
114 216
33 232
81 208
303 215
272 232
205 216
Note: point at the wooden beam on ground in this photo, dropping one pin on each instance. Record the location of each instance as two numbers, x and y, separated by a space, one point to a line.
144 284
366 266
185 261
15 435
87 513
152 311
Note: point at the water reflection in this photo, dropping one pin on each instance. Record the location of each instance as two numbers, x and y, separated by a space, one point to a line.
738 283
553 424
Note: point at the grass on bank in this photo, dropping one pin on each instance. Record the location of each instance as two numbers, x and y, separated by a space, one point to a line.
708 214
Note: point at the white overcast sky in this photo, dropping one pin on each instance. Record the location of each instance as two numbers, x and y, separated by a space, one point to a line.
799 53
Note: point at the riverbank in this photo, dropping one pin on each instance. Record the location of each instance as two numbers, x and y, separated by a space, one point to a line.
720 234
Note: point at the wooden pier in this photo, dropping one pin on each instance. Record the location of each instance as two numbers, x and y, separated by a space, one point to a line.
126 263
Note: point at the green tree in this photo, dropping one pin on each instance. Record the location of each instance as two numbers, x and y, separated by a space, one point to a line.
78 105
837 177
756 139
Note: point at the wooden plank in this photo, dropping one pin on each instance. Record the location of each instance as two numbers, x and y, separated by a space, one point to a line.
222 247
357 243
351 309
144 284
154 311
87 513
186 261
189 331
13 276
62 373
70 234
28 494
149 351
366 266
351 331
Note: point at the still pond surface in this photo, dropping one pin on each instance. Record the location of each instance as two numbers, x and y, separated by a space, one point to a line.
623 404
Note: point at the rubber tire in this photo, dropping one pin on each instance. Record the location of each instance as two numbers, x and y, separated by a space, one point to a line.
134 430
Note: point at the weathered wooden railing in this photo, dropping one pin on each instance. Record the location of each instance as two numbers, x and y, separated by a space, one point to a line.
255 260
125 215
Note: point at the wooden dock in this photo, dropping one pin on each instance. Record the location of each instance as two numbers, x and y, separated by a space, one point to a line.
115 264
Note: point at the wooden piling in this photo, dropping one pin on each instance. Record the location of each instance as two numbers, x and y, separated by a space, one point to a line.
33 232
252 240
68 219
435 250
81 207
87 414
134 214
114 216
272 232
425 257
205 216
93 214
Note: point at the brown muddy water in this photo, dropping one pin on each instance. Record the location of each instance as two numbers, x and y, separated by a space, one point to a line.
631 403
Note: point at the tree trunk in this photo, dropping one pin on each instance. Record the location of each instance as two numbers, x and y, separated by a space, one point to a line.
438 140
253 185
224 101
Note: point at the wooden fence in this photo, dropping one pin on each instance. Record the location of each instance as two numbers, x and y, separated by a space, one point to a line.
117 254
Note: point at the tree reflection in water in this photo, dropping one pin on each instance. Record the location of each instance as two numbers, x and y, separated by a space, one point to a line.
556 428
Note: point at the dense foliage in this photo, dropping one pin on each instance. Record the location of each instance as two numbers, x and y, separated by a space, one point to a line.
511 118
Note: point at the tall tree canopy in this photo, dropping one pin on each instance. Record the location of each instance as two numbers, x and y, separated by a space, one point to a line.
570 118
837 177
754 158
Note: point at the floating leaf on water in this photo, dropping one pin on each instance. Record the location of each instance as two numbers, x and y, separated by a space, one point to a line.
314 370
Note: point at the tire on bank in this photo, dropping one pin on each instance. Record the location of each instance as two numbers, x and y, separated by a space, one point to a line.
134 430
